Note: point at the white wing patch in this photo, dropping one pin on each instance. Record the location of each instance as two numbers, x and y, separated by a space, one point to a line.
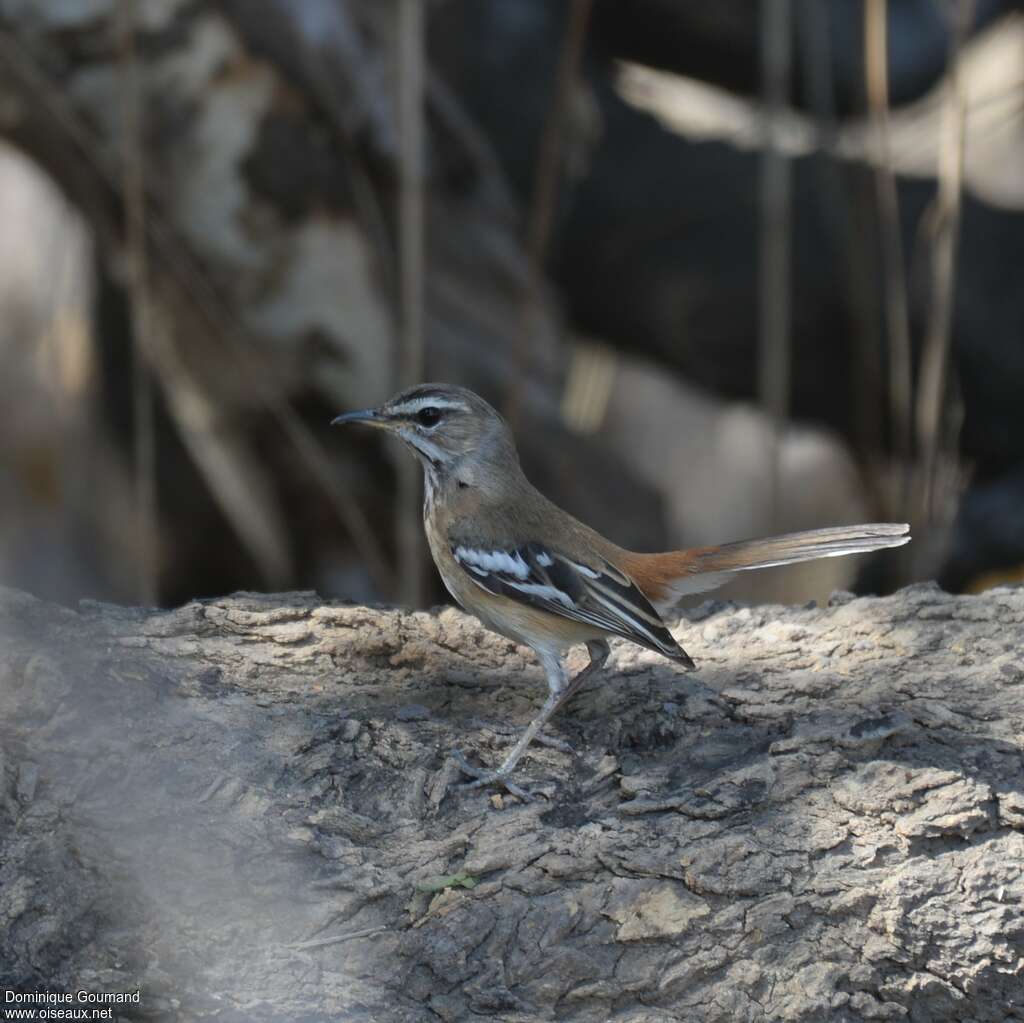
482 562
602 597
544 592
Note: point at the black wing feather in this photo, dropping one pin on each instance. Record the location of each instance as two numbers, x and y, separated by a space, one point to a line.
600 596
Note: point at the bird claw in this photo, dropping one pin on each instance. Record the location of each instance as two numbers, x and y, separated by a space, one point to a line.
482 776
552 743
540 739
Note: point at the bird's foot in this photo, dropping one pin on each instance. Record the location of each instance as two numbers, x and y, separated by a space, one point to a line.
552 743
482 776
540 739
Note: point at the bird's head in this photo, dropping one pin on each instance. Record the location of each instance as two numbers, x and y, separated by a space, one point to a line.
445 425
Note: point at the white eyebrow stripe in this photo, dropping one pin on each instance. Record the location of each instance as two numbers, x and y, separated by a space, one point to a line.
413 405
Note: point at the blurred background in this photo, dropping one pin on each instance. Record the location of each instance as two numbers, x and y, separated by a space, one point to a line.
729 269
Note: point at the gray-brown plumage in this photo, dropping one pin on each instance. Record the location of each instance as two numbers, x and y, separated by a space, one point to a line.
530 571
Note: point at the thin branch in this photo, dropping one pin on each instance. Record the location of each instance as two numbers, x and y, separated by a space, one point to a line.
546 179
450 111
336 939
547 172
141 305
411 61
894 282
935 357
774 268
837 201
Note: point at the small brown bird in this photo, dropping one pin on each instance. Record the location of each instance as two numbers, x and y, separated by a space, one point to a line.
533 573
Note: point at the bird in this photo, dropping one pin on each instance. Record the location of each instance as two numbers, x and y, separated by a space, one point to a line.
535 574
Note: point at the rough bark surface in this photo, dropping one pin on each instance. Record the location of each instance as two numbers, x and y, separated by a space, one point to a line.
240 807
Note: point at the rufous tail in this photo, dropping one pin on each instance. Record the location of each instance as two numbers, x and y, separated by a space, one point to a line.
665 578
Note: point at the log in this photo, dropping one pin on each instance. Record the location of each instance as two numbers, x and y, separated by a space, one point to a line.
241 808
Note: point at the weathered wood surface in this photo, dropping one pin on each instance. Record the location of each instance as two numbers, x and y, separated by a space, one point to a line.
824 822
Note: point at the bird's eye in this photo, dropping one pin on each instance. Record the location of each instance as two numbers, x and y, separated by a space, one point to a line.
428 416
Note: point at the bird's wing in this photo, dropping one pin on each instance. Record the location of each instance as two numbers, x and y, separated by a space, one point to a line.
598 595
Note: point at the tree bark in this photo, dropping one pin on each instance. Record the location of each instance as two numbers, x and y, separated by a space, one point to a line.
242 808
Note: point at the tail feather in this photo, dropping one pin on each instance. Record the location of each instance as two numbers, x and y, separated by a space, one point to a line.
665 578
809 545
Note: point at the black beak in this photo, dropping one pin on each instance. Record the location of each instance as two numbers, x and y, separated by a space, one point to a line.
367 415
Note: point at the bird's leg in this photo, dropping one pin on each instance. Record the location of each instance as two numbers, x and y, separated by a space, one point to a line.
599 651
561 690
540 739
507 731
500 775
